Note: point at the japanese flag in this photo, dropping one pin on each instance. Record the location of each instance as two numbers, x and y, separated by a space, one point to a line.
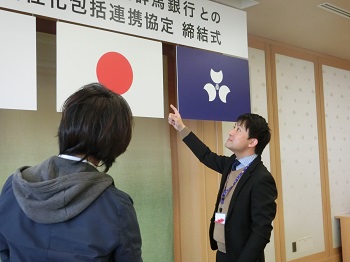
129 66
17 61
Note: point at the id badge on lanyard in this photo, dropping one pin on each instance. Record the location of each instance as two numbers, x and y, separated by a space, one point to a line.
220 218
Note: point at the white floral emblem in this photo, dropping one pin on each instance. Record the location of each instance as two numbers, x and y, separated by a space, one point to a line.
212 90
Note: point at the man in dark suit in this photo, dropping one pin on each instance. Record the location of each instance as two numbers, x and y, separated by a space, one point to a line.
245 208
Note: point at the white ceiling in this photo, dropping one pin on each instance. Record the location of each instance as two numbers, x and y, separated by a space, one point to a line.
300 23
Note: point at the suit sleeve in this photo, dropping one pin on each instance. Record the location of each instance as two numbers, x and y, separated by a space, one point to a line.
204 154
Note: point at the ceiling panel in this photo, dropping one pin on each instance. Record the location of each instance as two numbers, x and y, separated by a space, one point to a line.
300 23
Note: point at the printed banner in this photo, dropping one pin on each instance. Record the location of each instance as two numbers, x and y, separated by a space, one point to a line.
211 86
130 66
18 61
197 23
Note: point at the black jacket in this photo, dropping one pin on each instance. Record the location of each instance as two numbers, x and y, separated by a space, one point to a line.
252 208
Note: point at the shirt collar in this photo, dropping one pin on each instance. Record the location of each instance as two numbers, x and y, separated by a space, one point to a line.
245 161
75 158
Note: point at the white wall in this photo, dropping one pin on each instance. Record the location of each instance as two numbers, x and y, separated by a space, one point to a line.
336 86
298 111
300 164
258 96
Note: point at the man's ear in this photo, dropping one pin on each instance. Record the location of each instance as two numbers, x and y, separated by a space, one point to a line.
253 142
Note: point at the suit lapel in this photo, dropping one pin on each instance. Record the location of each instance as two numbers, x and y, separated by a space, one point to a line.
240 185
237 190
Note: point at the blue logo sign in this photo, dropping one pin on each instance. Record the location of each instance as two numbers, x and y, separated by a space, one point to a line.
211 86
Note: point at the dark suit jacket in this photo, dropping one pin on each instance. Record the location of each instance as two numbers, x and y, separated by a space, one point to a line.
252 208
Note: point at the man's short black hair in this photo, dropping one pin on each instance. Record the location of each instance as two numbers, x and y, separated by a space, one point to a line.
258 128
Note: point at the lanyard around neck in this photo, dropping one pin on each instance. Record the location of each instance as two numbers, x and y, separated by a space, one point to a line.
227 190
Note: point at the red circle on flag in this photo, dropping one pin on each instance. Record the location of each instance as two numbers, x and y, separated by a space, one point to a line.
114 71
